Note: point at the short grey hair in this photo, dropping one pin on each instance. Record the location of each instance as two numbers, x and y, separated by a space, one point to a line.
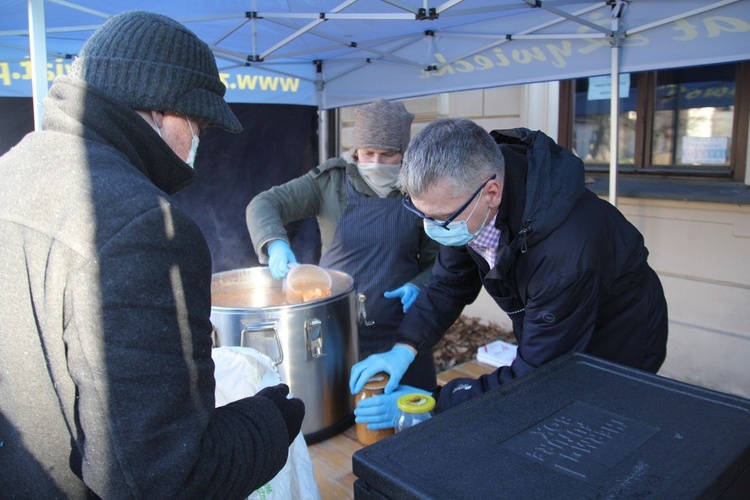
453 150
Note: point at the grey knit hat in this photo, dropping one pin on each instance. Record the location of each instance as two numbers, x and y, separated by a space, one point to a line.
151 62
382 125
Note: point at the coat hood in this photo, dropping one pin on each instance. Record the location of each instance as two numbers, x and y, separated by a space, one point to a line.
543 181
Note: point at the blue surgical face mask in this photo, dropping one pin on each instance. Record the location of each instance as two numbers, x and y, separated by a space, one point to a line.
457 233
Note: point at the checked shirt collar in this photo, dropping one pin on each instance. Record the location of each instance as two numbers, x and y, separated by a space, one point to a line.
485 243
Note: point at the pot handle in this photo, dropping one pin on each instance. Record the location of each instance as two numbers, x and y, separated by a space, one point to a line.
214 336
314 334
362 311
261 330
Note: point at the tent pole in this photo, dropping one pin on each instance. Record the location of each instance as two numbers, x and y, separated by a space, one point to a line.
322 115
38 51
614 111
322 135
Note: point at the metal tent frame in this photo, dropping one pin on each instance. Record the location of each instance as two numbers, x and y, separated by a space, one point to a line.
334 53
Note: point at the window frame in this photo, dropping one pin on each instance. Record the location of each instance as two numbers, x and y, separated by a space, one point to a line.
644 129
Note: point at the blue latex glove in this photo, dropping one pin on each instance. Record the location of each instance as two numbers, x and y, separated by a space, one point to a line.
381 412
279 258
394 363
408 294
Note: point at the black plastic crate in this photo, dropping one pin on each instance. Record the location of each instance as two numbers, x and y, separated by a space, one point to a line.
579 427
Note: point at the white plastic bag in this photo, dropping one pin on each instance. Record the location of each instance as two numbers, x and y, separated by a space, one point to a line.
241 372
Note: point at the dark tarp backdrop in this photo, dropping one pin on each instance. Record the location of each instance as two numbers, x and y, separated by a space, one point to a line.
16 120
279 143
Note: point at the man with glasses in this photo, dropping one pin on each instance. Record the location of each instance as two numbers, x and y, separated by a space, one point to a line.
512 213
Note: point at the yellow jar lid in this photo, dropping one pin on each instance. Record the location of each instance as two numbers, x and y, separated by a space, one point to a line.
416 403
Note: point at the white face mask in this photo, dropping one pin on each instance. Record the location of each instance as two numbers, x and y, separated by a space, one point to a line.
381 177
193 146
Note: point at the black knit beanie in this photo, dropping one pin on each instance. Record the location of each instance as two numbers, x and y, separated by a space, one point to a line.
151 62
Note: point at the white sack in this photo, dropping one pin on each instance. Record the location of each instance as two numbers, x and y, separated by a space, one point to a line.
241 372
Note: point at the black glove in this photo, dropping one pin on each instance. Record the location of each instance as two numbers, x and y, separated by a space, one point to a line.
293 410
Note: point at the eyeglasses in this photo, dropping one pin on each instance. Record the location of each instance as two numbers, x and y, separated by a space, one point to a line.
406 202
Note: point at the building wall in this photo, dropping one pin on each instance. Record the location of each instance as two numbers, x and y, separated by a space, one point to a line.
699 250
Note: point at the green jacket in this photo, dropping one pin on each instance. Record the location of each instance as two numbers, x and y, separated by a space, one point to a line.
321 193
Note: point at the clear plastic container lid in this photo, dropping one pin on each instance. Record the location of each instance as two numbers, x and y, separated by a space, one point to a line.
416 403
306 283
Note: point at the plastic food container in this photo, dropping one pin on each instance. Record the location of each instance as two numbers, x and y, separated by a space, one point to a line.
414 408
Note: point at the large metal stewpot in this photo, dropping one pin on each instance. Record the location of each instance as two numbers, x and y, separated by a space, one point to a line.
313 345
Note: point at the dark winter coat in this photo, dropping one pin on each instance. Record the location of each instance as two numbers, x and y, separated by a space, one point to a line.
571 273
106 376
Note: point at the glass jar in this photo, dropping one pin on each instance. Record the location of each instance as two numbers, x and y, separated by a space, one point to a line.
374 387
414 408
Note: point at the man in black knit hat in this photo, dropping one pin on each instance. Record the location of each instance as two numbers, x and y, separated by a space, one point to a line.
106 376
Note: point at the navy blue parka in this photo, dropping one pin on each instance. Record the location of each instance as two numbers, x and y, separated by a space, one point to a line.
571 273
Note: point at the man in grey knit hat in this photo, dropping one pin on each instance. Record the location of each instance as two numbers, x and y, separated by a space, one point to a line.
364 230
107 381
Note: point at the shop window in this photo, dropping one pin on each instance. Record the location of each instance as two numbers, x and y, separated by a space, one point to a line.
686 122
591 130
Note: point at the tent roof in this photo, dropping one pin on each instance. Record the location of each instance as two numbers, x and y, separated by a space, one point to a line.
333 53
